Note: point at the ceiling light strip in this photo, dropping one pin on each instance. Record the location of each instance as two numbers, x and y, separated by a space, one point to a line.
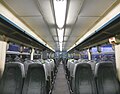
60 36
60 46
60 12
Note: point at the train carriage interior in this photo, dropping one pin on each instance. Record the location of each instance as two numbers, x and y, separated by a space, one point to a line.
59 46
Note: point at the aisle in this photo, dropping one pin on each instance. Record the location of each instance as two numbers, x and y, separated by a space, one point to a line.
60 86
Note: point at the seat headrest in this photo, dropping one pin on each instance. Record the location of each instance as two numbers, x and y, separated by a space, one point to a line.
17 65
105 62
103 65
35 65
37 61
91 61
28 61
81 65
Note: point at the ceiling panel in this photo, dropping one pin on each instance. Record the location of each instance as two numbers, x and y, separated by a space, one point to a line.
57 43
40 28
52 44
68 46
67 31
23 7
95 7
46 10
82 25
53 31
57 48
63 44
38 25
56 38
65 38
72 39
74 9
48 39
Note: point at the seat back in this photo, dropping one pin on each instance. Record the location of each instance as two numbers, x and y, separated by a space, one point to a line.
84 80
0 74
106 78
72 65
52 69
92 63
35 82
12 79
68 67
26 64
48 74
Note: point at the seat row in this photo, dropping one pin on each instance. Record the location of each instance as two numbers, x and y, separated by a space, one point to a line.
50 68
87 77
30 78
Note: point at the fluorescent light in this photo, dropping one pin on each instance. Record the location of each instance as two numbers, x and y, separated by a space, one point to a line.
60 43
60 11
60 37
60 34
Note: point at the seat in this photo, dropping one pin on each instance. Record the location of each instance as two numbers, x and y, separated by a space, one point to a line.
48 70
84 60
35 82
12 79
68 68
106 78
52 68
72 65
37 61
83 81
65 63
26 64
92 63
1 72
55 63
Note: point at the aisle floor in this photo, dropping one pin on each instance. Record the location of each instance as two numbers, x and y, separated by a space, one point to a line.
60 86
